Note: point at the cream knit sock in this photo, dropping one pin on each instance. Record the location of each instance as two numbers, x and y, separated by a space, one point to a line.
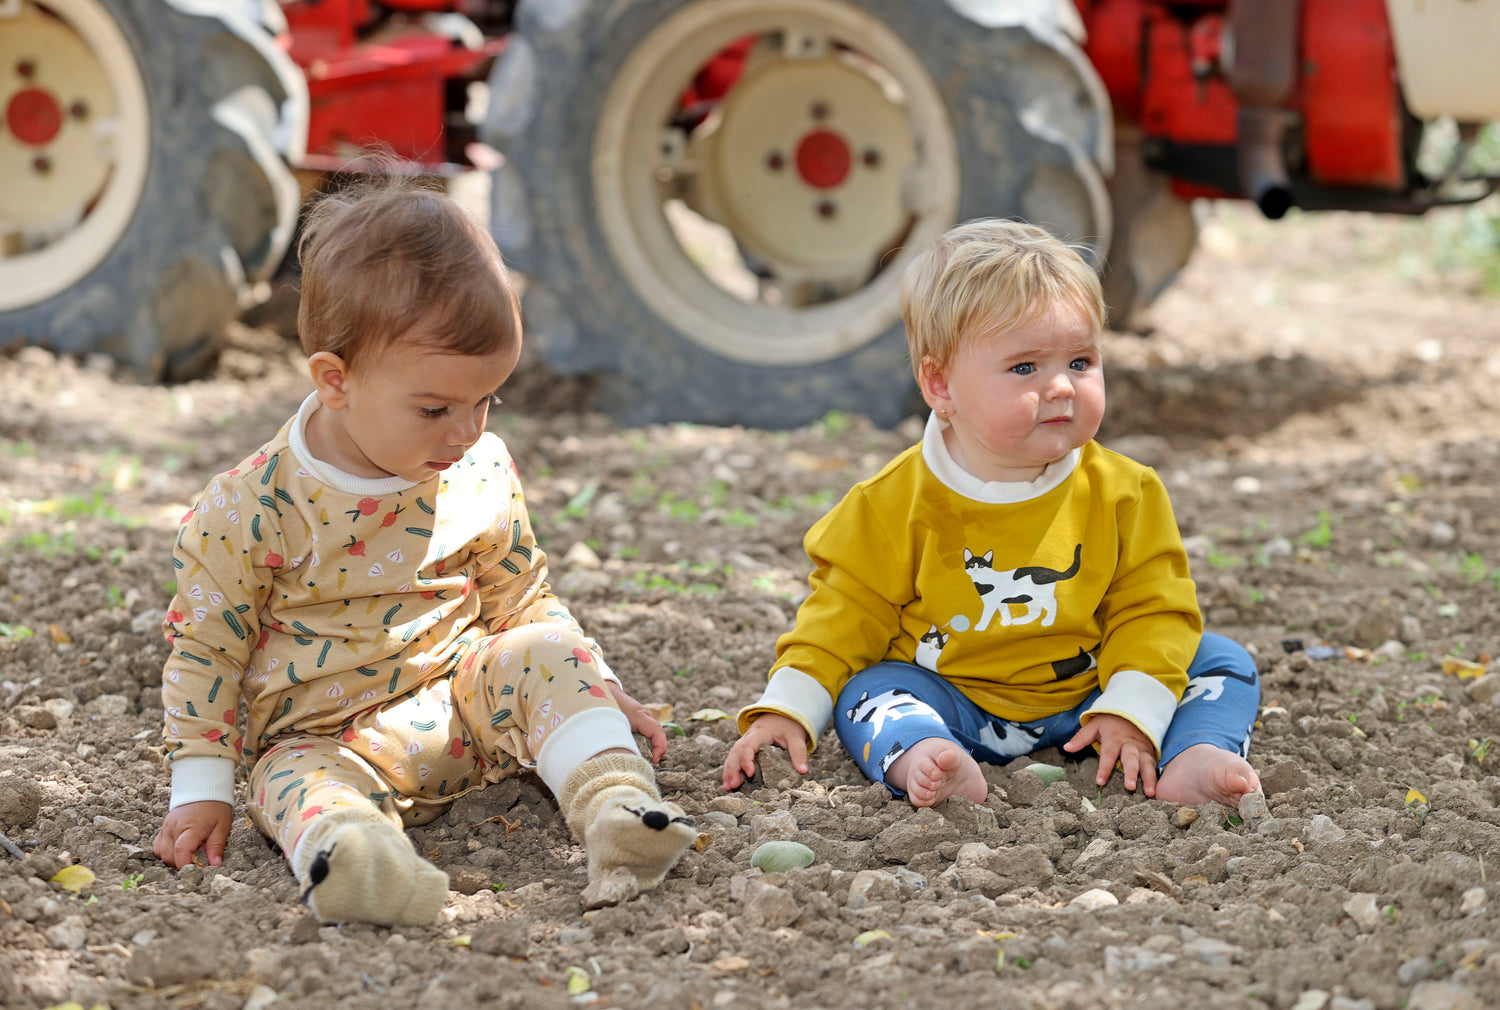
612 806
360 867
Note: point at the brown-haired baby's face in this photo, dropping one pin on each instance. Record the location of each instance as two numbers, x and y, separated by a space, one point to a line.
414 410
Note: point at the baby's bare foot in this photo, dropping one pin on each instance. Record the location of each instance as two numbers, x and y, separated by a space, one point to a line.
934 769
1205 774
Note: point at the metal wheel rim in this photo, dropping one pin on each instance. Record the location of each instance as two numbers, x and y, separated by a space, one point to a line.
28 277
638 234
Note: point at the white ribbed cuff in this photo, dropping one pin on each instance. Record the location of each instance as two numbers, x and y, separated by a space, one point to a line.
195 779
1141 698
579 738
794 694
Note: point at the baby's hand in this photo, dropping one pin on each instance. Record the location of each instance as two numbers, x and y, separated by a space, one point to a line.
768 727
185 829
1120 740
641 721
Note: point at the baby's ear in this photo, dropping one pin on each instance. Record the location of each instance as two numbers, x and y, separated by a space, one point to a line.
329 374
933 380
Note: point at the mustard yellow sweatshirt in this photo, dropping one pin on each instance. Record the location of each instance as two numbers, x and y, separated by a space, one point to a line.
1026 596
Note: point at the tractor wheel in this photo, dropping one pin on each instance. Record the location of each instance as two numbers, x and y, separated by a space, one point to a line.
1155 233
144 147
713 201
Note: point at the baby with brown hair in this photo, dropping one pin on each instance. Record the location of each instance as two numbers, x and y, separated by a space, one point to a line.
367 588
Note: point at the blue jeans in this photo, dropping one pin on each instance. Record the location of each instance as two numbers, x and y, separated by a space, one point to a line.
884 710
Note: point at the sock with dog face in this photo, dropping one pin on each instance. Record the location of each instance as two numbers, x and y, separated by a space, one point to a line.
612 806
358 867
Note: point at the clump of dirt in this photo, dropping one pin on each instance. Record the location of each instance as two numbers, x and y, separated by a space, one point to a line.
1318 406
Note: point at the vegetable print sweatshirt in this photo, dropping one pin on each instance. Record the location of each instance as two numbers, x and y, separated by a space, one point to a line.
1025 596
308 595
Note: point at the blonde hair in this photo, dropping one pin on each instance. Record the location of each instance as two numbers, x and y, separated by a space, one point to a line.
991 275
388 261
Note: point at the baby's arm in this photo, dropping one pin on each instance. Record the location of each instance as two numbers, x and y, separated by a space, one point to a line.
768 727
192 826
1119 740
641 721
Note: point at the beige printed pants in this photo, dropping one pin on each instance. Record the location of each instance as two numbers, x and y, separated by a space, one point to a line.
413 756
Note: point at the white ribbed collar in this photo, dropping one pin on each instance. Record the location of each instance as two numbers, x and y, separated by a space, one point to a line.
994 492
329 474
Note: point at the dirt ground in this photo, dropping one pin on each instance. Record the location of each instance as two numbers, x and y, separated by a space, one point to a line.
1319 397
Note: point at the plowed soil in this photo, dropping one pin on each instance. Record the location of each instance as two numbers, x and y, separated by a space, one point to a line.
1319 397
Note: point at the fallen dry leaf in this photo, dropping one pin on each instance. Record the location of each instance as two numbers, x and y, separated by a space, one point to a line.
1462 668
73 878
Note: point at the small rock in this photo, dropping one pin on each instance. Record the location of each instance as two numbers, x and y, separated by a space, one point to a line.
1364 910
223 884
20 799
168 962
1186 816
769 907
121 830
581 555
1253 810
734 805
304 930
1473 901
1096 848
1391 648
1441 534
612 888
1442 996
1418 969
261 997
1322 829
775 826
870 886
1484 689
1094 899
1120 962
1246 485
35 717
1277 547
110 705
61 708
70 934
780 856
1313 999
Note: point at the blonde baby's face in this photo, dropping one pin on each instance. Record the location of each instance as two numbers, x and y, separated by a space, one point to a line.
407 410
1019 400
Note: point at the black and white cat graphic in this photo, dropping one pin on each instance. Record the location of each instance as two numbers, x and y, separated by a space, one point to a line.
1033 587
893 704
930 647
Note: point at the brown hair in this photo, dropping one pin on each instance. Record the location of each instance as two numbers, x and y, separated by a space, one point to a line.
387 261
992 275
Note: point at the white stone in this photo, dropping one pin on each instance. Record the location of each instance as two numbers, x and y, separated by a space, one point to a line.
1093 850
1246 485
1363 909
1322 829
260 997
1313 999
1473 901
581 555
1094 899
70 934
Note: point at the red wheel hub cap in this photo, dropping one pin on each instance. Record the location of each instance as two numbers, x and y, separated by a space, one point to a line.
34 116
823 159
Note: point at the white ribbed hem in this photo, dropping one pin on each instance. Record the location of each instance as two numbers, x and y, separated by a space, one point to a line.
607 673
797 696
579 738
195 779
1141 698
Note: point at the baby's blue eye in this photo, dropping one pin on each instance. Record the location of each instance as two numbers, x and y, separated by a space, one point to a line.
1079 364
1025 368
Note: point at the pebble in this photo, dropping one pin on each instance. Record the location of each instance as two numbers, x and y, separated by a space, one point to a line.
1122 961
1442 996
1363 909
1313 999
120 829
780 856
870 886
1473 901
1277 547
261 997
1214 953
1322 829
61 708
1246 485
581 555
70 934
1094 899
1418 969
1186 816
1484 689
776 825
112 705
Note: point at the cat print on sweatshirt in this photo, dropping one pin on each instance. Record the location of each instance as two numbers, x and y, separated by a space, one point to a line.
1033 587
